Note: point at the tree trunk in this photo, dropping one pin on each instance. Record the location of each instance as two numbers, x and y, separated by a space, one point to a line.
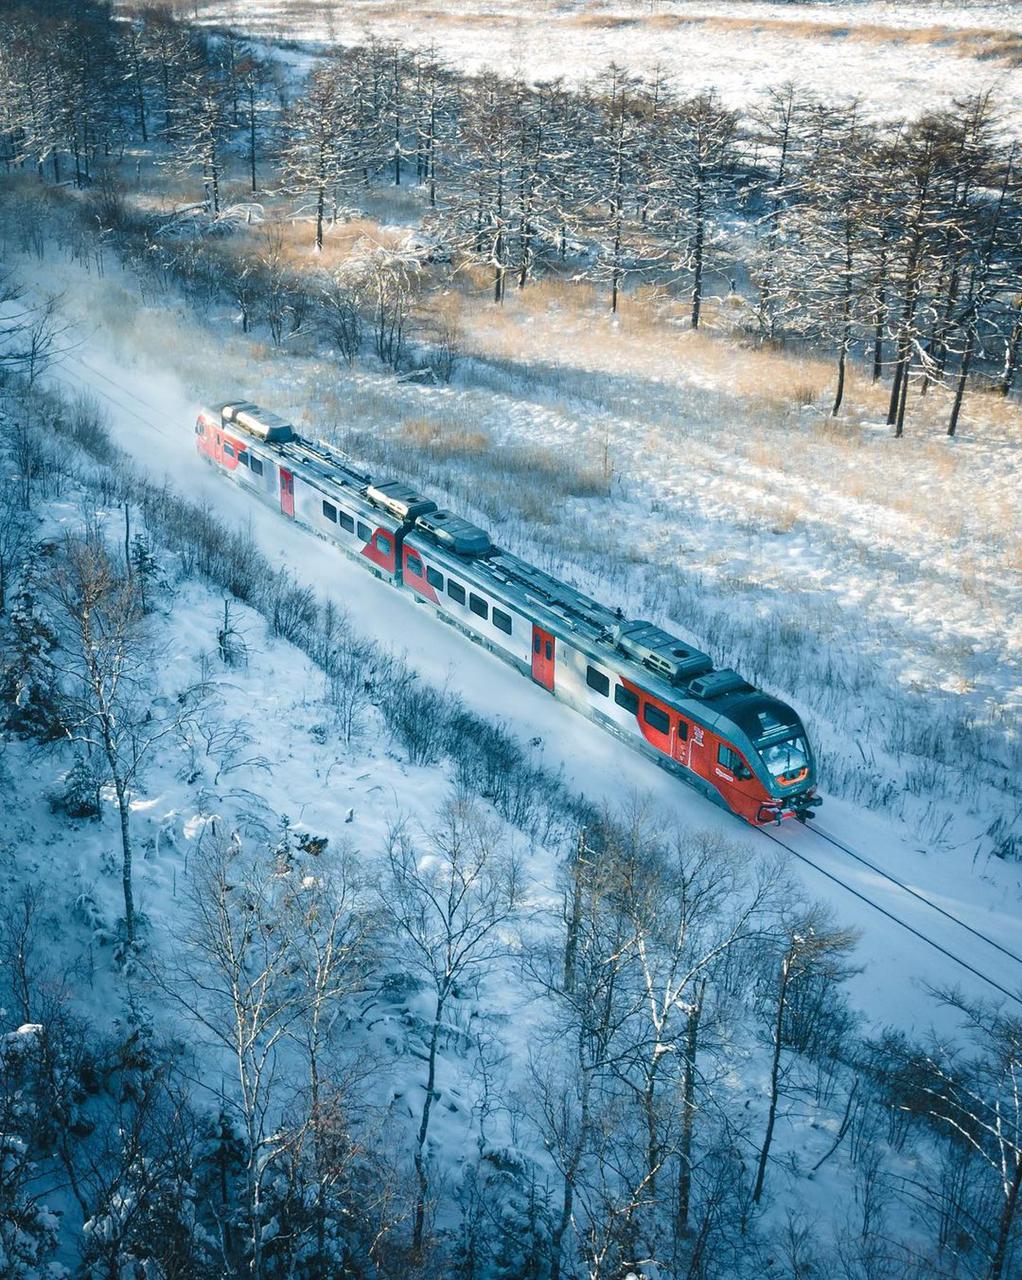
563 1222
697 282
1007 1219
1011 352
214 180
252 135
123 813
420 1144
431 152
140 101
846 323
839 390
574 919
878 327
904 347
689 1114
902 402
652 1137
775 1074
963 378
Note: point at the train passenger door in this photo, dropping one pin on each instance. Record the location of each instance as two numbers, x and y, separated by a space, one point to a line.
287 493
543 657
681 741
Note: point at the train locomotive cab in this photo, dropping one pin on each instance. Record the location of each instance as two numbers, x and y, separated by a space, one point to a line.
778 759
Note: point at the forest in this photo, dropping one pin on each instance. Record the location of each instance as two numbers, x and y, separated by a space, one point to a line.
895 244
521 1034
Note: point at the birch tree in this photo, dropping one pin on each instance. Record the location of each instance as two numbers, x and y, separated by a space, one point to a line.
811 946
977 1101
450 895
104 664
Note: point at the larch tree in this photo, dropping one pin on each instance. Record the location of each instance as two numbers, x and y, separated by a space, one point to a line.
201 130
779 123
616 188
699 164
434 103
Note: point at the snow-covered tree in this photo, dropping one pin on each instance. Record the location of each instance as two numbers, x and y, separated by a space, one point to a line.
29 1230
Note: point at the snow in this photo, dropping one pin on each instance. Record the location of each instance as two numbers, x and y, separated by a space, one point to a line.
353 796
152 413
898 57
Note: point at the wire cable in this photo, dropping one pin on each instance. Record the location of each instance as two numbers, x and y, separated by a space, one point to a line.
949 915
1012 995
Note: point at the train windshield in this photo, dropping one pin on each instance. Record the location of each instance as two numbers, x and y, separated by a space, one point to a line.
786 759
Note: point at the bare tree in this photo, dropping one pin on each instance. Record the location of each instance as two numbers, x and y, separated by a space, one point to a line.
200 132
811 945
232 974
338 317
700 164
571 1072
977 1100
15 538
333 937
105 666
449 896
385 278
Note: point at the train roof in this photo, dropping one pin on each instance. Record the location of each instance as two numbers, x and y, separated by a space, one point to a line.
261 423
672 669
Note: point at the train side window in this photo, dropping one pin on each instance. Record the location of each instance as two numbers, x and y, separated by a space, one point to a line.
256 465
730 759
625 699
537 643
456 591
228 449
502 621
364 532
200 430
345 521
383 544
683 730
330 511
435 579
595 679
478 605
656 719
549 650
413 564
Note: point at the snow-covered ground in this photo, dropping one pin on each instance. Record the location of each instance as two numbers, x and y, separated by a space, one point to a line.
152 386
276 754
899 58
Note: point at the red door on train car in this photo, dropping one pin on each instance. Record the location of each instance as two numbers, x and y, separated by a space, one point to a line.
287 493
543 657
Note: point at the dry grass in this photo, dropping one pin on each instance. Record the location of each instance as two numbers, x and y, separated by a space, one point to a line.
985 43
430 436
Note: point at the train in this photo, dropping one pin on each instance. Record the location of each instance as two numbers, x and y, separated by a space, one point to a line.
740 747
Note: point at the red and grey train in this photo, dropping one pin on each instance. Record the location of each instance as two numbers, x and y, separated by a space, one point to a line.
739 746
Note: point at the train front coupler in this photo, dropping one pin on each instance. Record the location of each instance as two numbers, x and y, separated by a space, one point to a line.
805 806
